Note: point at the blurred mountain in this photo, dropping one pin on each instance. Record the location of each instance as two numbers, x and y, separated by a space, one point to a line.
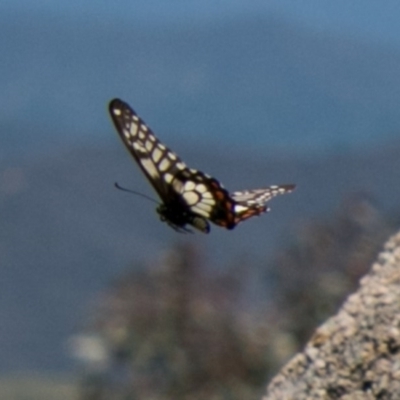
247 82
66 232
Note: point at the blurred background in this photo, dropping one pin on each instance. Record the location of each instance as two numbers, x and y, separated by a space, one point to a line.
100 300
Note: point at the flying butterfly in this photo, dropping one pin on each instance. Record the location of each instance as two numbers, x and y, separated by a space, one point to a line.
189 197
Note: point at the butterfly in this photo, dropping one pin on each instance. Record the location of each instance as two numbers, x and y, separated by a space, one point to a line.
189 197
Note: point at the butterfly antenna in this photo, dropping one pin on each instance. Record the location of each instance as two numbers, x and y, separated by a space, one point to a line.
116 184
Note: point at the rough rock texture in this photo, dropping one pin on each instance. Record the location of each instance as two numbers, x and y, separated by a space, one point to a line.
355 354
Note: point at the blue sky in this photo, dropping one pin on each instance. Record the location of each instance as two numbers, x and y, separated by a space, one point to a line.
371 19
62 65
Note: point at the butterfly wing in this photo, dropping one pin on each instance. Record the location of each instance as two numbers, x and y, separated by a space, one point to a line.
157 162
253 202
181 188
189 196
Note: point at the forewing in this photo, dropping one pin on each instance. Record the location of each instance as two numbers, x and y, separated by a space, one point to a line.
158 163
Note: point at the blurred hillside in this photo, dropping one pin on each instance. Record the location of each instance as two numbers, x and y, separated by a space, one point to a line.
180 330
67 231
38 387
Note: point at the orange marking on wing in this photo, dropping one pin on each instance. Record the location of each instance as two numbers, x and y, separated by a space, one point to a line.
219 195
250 213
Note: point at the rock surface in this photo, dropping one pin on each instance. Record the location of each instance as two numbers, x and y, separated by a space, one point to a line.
355 354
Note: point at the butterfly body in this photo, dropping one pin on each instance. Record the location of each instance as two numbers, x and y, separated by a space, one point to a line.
189 197
178 218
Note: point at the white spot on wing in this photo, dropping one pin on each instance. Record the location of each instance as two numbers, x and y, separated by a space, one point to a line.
201 188
191 198
164 164
177 185
168 177
172 156
239 208
190 185
149 167
133 129
211 202
199 211
207 195
180 165
149 145
139 147
205 207
117 112
156 155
